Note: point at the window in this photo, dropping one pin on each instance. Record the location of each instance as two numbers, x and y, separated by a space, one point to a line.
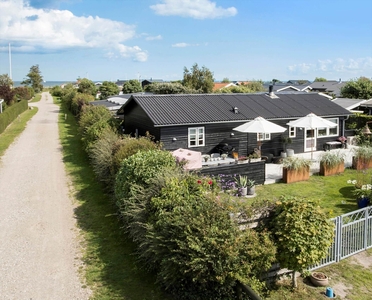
292 132
263 136
196 137
330 131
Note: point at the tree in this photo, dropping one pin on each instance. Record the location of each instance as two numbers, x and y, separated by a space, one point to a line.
23 92
198 79
319 79
357 89
107 89
275 81
132 86
34 79
303 234
87 86
6 91
168 88
225 80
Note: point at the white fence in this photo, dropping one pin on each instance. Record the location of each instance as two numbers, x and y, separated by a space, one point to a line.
353 234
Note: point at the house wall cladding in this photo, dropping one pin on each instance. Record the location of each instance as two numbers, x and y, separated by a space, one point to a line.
221 133
138 120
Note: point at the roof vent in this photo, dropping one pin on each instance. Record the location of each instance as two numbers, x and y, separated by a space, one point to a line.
235 110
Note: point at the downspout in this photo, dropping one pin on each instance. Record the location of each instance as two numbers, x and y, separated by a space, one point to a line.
1 105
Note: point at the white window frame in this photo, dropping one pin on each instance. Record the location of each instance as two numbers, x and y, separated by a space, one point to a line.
263 136
292 132
328 130
197 135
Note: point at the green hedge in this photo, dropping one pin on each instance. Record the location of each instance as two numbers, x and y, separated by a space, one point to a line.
11 113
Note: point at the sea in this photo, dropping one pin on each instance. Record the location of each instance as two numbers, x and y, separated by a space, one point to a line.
48 84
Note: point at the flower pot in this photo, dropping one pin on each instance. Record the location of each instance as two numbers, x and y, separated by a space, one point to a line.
361 164
283 154
251 190
363 202
245 161
319 279
290 175
252 160
243 191
326 170
290 152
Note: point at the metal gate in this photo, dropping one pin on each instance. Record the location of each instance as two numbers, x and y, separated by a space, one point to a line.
353 234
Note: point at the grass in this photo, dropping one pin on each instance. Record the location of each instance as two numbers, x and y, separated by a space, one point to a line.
15 129
110 264
333 192
347 277
37 98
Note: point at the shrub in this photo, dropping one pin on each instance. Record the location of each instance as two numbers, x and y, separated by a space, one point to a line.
303 233
67 96
11 113
130 146
139 169
101 155
78 101
186 234
93 122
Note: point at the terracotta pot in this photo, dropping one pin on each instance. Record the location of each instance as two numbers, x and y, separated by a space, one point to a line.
290 175
319 279
326 170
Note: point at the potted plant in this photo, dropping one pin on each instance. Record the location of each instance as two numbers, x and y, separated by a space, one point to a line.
242 160
296 169
362 158
362 190
242 184
331 163
254 157
343 141
319 279
223 156
206 157
286 152
251 184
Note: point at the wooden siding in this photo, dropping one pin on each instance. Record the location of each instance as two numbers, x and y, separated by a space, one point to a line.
138 120
221 133
255 171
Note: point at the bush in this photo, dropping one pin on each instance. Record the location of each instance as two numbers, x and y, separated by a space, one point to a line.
186 234
303 233
130 146
93 122
101 155
78 101
11 113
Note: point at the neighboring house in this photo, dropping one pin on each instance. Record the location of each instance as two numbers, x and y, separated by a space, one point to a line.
149 81
114 103
331 87
222 85
352 105
367 106
280 87
205 121
299 82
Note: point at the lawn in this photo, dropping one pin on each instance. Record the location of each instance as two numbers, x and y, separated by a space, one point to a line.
110 268
333 192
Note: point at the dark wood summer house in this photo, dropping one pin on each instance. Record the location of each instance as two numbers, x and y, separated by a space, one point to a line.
205 122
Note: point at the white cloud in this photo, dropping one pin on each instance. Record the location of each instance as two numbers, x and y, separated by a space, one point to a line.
198 9
333 66
183 45
45 30
152 38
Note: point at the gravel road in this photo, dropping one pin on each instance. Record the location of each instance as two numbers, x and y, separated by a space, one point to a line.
39 247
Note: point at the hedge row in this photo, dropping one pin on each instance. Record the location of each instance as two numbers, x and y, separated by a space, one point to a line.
11 113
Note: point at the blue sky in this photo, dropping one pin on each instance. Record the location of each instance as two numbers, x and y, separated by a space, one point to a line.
236 39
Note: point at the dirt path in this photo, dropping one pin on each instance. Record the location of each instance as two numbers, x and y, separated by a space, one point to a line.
38 246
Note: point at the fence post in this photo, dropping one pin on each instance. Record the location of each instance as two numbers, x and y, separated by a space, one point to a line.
366 228
338 238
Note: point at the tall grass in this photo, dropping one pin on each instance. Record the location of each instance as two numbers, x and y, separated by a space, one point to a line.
110 264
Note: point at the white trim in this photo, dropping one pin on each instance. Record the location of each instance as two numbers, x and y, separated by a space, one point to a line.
199 139
291 134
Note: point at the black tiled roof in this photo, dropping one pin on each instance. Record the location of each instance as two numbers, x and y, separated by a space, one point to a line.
166 110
